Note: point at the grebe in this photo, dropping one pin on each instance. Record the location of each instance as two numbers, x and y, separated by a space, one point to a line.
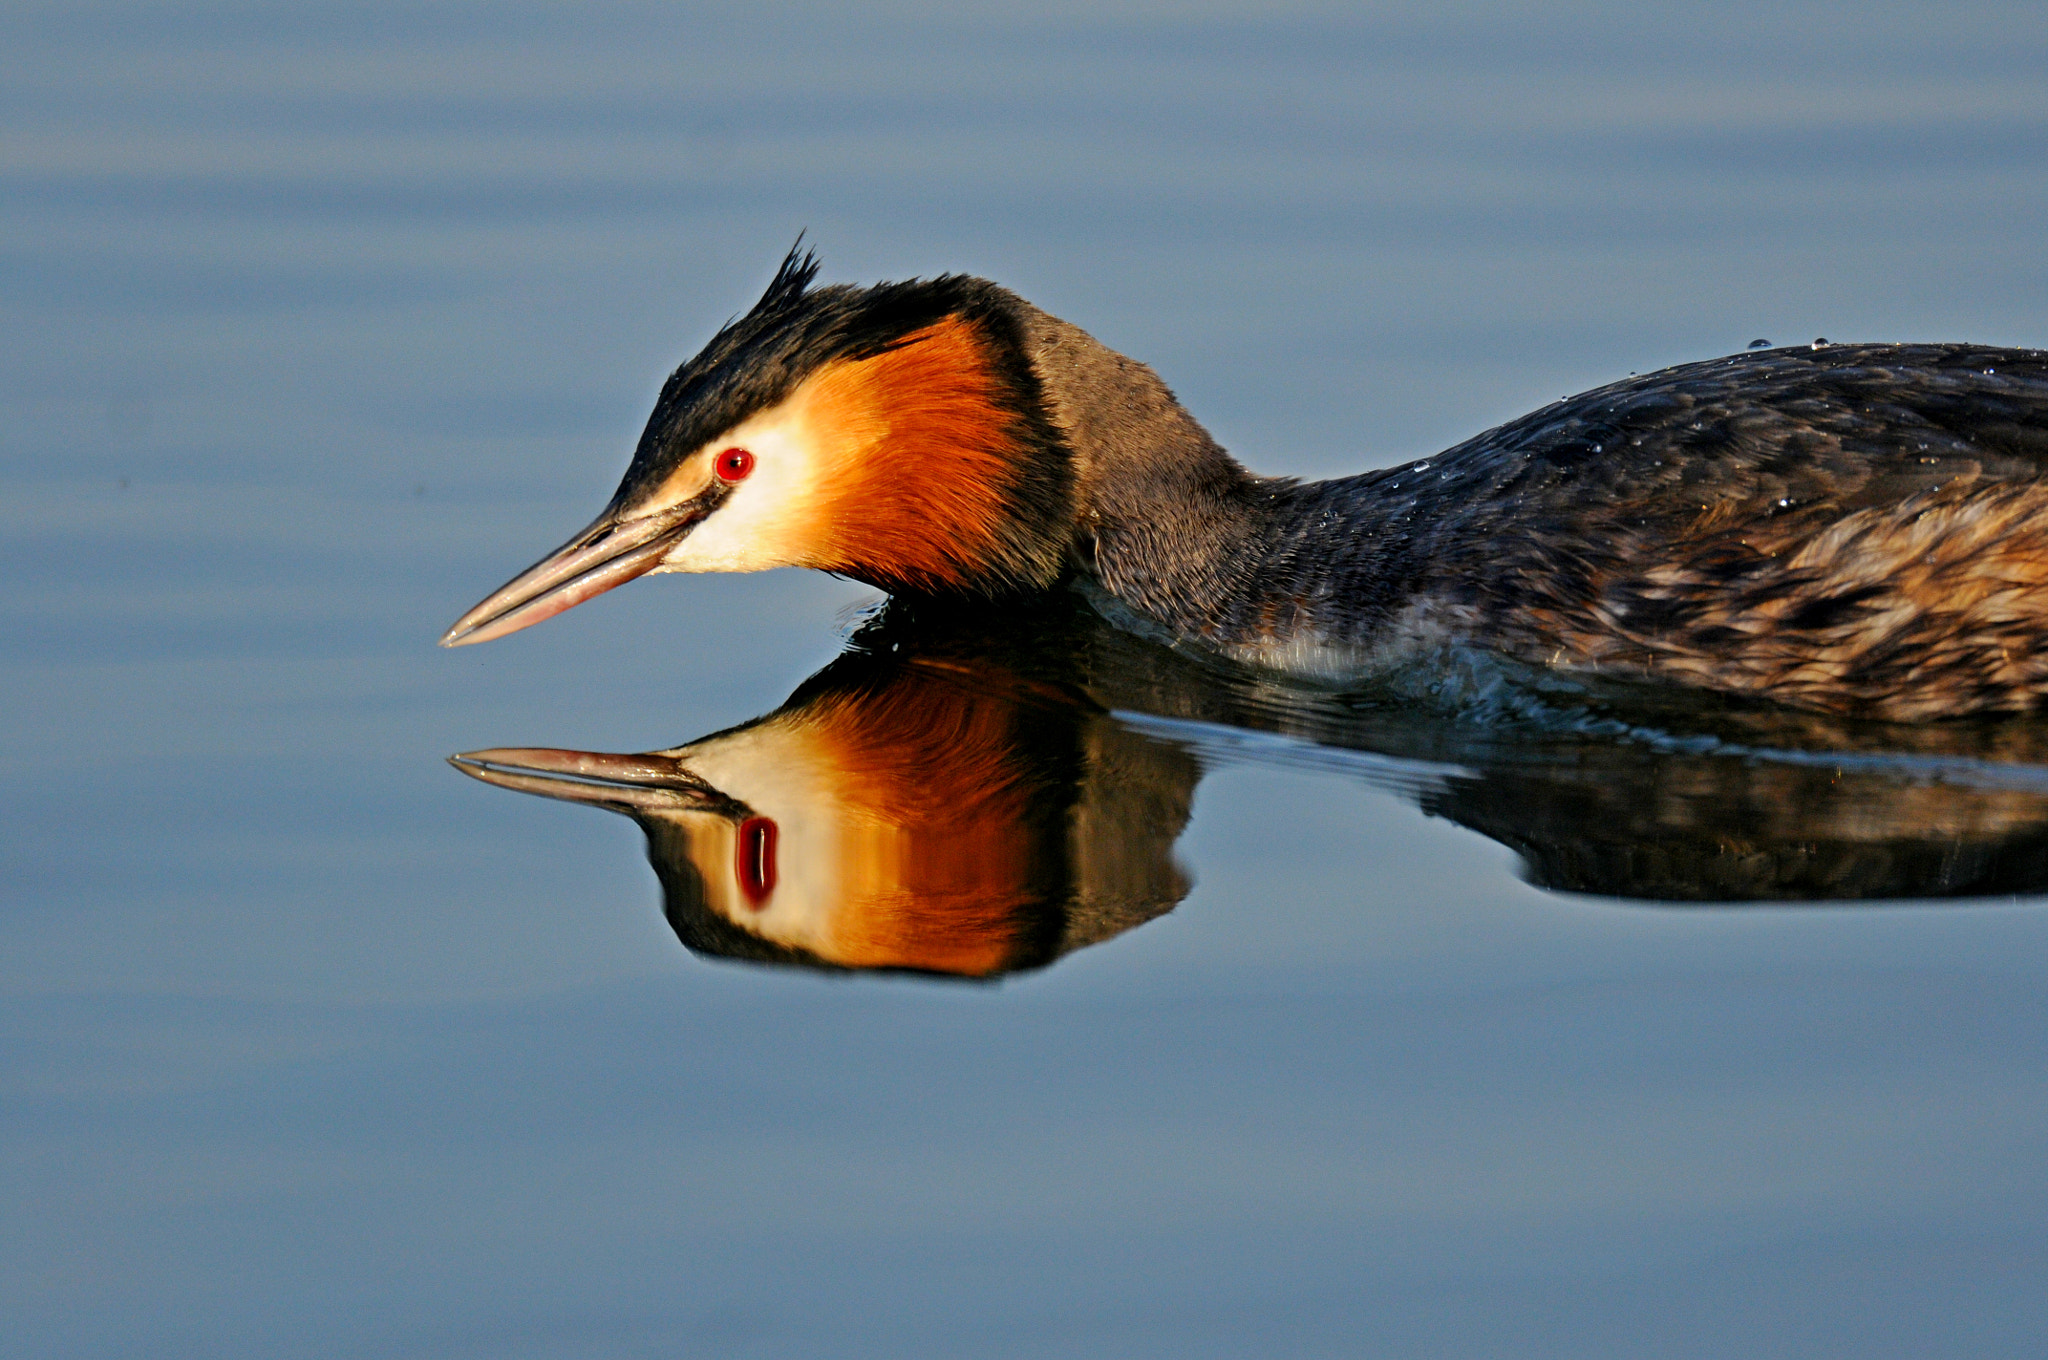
1860 528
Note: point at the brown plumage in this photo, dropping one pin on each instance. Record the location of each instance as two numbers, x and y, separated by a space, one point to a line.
1860 529
925 457
1926 607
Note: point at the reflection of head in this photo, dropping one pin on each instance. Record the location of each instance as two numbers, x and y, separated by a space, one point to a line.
943 817
919 823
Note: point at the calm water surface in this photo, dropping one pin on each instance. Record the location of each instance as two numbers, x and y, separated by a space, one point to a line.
1467 1016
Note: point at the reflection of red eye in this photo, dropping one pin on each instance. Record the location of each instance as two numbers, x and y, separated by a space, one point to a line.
755 860
734 464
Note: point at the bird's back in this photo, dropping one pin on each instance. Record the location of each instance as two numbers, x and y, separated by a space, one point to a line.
1862 528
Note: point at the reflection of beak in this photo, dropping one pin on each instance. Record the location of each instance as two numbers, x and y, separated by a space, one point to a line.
611 552
638 783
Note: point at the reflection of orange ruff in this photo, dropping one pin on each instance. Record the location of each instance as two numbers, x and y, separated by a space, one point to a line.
962 822
932 505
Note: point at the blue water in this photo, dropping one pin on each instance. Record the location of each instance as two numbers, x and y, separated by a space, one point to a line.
319 323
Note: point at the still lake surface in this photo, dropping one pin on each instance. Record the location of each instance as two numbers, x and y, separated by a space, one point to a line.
1388 1027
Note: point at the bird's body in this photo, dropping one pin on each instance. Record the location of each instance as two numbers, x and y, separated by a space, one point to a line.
1856 528
1860 528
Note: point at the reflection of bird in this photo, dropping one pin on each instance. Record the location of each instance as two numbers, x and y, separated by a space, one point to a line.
1858 528
974 793
896 814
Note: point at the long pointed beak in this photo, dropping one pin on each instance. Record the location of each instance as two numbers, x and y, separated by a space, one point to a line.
610 552
624 783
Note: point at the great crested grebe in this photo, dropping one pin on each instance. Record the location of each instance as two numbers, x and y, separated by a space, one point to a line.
1856 528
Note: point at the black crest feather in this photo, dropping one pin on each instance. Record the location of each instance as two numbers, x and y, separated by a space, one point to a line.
792 279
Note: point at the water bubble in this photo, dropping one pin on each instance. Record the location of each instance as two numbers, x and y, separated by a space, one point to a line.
1759 344
1820 342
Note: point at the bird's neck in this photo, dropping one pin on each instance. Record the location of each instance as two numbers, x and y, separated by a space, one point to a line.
1166 522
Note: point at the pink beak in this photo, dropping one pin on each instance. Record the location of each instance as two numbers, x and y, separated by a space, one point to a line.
611 552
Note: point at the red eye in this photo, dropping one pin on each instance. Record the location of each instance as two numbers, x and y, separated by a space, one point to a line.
734 464
754 860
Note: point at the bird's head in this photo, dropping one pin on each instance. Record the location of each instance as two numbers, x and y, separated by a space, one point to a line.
896 434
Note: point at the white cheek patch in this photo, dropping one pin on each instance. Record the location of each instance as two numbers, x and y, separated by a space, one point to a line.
764 520
781 775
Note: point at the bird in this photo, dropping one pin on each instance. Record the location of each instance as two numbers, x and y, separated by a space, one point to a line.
1856 528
